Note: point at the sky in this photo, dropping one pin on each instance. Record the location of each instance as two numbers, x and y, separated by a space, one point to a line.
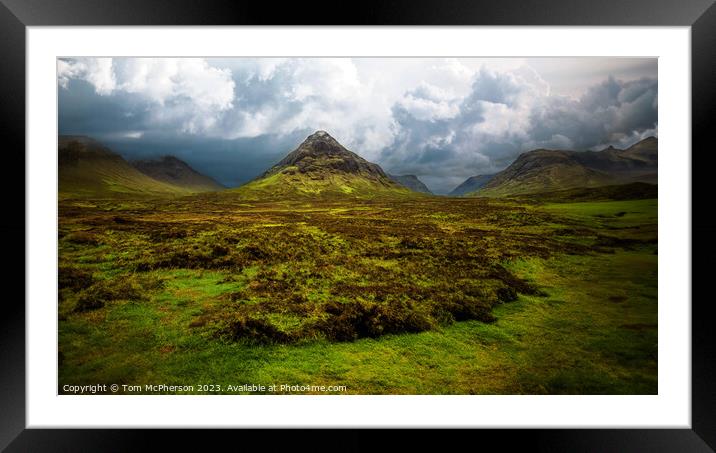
441 119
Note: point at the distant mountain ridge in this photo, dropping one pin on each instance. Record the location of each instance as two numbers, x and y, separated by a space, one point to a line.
471 184
175 171
545 170
411 182
86 167
320 166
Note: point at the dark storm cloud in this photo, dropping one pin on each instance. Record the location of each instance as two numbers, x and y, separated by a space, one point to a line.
82 111
230 162
112 119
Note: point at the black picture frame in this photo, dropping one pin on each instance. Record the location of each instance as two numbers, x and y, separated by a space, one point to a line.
16 15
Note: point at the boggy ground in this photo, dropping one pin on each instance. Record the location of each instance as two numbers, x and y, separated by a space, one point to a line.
422 295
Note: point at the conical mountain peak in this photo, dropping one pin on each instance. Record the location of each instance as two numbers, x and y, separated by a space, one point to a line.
321 141
320 133
320 153
321 166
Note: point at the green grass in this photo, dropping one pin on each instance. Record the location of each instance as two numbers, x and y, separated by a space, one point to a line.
619 192
175 274
110 177
290 184
622 213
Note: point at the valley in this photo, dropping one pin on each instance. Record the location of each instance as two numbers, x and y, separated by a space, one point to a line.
325 272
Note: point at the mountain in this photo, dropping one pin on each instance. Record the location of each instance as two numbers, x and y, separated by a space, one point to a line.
88 168
471 184
175 171
544 170
411 182
321 166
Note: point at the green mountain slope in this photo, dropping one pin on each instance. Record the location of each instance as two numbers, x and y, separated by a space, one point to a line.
86 168
175 171
411 182
471 184
546 170
322 167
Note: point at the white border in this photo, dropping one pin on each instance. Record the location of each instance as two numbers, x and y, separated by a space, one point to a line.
671 408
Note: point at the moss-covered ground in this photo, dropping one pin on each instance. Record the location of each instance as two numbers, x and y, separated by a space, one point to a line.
423 295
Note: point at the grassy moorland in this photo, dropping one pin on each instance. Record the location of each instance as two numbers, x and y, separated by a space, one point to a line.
409 295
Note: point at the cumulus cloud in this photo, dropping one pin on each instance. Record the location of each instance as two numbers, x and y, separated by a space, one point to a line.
97 71
180 91
507 113
442 119
282 96
428 102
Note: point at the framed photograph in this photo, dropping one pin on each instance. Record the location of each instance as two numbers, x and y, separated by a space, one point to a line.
394 216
